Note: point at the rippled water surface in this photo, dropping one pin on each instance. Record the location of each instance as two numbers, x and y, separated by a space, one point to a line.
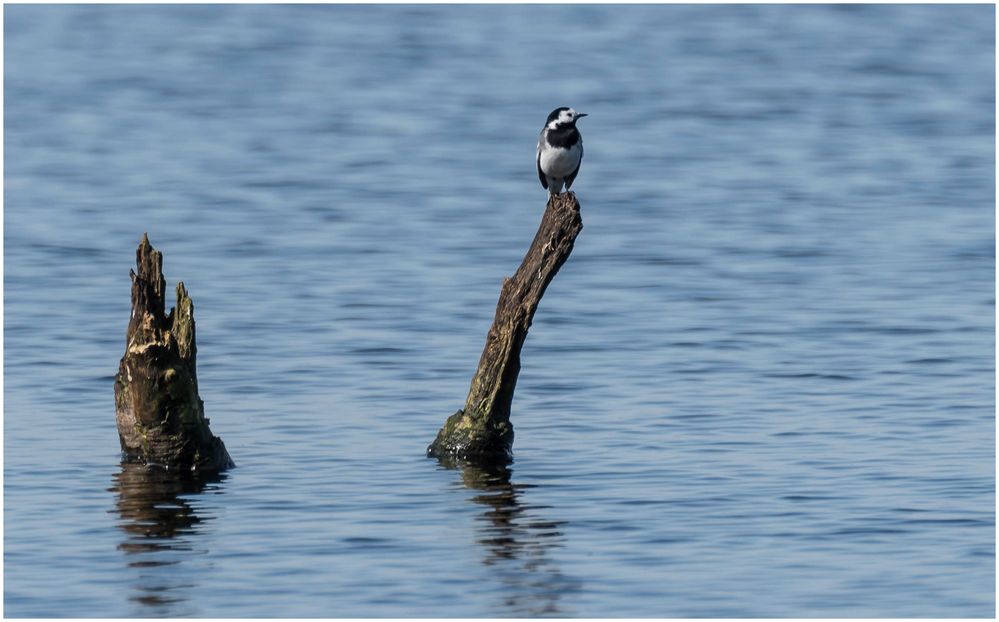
763 384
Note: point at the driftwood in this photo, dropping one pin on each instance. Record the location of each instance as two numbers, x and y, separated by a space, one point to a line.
482 429
161 418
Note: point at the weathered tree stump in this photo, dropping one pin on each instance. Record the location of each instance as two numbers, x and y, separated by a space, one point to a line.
482 430
161 418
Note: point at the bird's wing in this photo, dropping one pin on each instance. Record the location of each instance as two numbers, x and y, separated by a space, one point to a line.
541 174
572 175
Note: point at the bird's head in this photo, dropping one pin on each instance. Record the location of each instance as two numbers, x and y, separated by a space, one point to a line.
563 117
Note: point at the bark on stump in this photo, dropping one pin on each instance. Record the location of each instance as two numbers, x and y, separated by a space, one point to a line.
482 429
161 418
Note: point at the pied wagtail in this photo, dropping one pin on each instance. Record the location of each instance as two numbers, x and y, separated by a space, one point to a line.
560 149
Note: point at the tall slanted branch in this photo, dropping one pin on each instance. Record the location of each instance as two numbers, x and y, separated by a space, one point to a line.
161 418
482 429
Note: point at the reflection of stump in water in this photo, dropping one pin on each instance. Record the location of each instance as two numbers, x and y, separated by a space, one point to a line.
158 523
512 536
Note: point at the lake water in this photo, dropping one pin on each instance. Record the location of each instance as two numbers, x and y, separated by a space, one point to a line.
763 384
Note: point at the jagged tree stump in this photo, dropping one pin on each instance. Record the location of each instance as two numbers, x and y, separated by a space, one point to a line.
482 429
161 418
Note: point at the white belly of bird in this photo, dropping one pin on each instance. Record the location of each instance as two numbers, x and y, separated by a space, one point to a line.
560 163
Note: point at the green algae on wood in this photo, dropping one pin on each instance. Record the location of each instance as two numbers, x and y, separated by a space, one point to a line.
482 429
160 415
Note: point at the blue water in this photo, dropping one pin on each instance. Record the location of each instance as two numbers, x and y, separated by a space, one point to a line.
763 384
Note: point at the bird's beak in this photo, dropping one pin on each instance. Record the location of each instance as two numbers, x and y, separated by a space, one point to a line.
580 115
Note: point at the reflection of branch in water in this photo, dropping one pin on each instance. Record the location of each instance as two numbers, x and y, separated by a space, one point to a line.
517 543
158 523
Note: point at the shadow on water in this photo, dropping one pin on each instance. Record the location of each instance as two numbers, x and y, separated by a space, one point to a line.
159 523
518 543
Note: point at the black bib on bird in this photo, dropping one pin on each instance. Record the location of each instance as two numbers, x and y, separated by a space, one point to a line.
563 136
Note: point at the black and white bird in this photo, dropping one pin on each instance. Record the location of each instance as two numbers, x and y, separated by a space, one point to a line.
560 150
